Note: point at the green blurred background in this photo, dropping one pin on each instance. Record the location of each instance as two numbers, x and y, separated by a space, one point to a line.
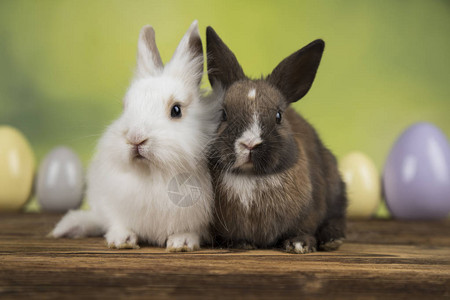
65 65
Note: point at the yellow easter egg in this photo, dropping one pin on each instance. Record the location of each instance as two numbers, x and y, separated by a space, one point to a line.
16 169
363 184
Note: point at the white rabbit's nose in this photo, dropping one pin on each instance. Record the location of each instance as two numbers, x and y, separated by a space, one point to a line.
136 139
137 143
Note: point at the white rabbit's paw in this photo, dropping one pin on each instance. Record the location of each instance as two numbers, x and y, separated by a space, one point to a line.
183 242
72 225
121 239
66 230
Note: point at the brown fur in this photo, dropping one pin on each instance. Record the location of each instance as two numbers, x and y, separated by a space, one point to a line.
298 194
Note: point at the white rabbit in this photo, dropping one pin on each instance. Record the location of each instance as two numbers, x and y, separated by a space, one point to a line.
149 180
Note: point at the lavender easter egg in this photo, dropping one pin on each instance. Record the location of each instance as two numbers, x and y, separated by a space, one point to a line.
60 181
416 177
16 169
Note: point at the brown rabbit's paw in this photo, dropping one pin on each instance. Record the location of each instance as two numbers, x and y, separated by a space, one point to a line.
299 245
242 245
331 234
331 245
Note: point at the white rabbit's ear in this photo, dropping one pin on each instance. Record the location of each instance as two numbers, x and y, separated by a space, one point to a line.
187 61
149 61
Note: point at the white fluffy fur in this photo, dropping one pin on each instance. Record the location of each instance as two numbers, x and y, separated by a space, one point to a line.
252 94
249 188
128 197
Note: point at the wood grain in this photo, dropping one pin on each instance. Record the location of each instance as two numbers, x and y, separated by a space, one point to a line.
381 259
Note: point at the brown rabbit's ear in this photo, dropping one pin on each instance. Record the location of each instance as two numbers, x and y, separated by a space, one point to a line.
148 59
223 67
295 74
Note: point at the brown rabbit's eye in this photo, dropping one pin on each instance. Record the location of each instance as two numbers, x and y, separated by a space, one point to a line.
278 117
176 111
224 115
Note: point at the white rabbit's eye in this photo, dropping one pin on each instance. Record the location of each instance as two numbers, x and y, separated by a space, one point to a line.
224 115
176 111
278 117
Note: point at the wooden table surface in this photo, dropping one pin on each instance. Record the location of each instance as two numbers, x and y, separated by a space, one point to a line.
380 259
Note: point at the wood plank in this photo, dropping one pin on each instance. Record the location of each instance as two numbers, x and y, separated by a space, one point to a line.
381 258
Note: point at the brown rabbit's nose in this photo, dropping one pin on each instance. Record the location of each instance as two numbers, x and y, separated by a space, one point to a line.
250 145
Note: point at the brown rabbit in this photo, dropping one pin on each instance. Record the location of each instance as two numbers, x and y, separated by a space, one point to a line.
275 182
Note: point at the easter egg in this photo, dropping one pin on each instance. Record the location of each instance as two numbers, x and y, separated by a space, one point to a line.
416 177
16 169
363 184
60 181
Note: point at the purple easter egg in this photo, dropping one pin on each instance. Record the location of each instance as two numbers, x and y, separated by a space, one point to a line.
416 177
